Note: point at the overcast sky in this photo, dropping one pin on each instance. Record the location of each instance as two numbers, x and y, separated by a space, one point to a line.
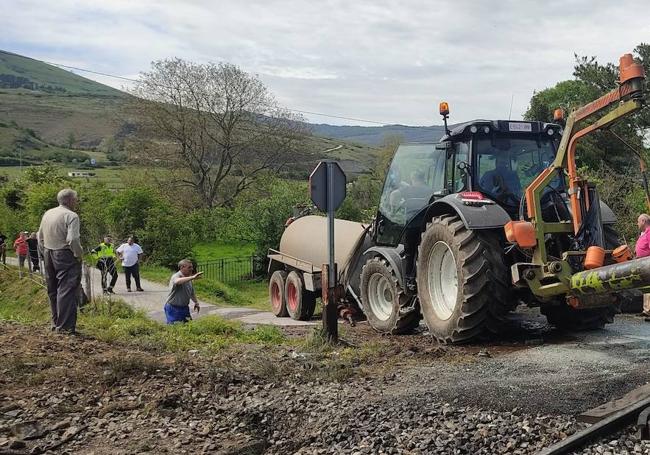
381 60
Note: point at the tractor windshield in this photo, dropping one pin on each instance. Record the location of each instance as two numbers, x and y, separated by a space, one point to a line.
417 170
507 165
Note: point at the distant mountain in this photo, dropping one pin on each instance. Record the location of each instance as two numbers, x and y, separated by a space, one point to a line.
374 135
19 72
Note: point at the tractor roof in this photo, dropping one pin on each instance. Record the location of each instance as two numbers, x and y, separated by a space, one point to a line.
502 126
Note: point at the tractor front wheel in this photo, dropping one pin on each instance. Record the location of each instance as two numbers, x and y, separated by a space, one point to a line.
384 302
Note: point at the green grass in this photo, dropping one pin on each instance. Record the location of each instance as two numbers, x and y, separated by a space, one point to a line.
208 251
112 177
115 322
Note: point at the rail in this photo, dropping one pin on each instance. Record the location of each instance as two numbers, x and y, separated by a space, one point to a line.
232 270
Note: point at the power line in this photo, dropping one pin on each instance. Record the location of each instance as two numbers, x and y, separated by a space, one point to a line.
99 73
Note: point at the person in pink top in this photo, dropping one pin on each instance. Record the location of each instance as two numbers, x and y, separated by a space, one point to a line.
643 244
642 250
20 245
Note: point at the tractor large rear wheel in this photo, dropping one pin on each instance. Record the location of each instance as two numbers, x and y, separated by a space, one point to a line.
463 282
385 305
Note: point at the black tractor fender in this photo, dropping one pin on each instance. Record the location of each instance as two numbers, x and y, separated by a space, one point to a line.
390 254
473 214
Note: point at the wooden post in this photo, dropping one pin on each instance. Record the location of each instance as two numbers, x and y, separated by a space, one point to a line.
330 319
86 276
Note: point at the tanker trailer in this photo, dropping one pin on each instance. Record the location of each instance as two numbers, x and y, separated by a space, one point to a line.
295 268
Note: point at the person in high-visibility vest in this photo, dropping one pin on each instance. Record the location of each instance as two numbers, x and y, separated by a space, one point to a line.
105 254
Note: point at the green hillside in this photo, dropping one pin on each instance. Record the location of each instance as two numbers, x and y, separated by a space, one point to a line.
18 72
46 111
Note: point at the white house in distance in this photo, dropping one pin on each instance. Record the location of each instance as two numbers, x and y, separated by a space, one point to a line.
81 174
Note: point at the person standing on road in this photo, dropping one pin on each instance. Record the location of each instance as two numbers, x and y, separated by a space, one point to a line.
32 244
106 264
60 245
3 248
130 253
642 249
181 291
22 250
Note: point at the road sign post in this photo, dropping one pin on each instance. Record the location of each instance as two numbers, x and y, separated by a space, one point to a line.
327 190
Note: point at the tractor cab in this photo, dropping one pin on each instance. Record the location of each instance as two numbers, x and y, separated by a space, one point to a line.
495 160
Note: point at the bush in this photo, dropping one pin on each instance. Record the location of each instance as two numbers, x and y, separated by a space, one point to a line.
259 216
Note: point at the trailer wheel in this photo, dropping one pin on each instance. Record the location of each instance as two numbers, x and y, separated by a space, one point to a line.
384 302
300 302
463 282
277 295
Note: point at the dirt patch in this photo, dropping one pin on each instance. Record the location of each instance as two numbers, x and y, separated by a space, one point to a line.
372 394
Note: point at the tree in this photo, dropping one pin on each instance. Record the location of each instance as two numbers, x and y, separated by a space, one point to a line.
70 140
592 80
258 216
215 127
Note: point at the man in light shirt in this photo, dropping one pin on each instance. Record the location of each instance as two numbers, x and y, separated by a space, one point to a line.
60 245
130 253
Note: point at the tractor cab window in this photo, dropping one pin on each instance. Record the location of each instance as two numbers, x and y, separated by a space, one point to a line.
416 172
507 165
456 176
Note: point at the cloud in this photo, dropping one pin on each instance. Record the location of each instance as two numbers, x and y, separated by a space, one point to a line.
380 60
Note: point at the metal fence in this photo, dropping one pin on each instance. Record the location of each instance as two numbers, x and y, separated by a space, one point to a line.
232 270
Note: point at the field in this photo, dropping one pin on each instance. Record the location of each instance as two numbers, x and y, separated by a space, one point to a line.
112 177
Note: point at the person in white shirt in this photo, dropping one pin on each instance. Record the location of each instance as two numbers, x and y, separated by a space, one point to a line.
130 253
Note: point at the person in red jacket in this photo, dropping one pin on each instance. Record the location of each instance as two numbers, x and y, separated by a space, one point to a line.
22 250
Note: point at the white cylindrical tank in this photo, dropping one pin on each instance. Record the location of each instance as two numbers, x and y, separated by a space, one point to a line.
306 239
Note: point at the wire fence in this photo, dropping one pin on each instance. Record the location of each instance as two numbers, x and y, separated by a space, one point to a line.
232 270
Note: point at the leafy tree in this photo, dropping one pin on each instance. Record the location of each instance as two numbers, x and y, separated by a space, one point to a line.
215 126
94 213
167 237
40 198
70 140
592 80
129 209
259 216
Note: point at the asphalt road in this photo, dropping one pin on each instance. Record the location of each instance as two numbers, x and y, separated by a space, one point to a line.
152 300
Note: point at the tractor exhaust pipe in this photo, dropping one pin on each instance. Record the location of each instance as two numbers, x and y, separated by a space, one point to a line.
631 274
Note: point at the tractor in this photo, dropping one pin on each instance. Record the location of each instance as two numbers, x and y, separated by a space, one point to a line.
492 216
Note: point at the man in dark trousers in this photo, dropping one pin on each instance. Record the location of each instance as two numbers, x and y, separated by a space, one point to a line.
106 264
32 244
3 248
130 253
59 241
